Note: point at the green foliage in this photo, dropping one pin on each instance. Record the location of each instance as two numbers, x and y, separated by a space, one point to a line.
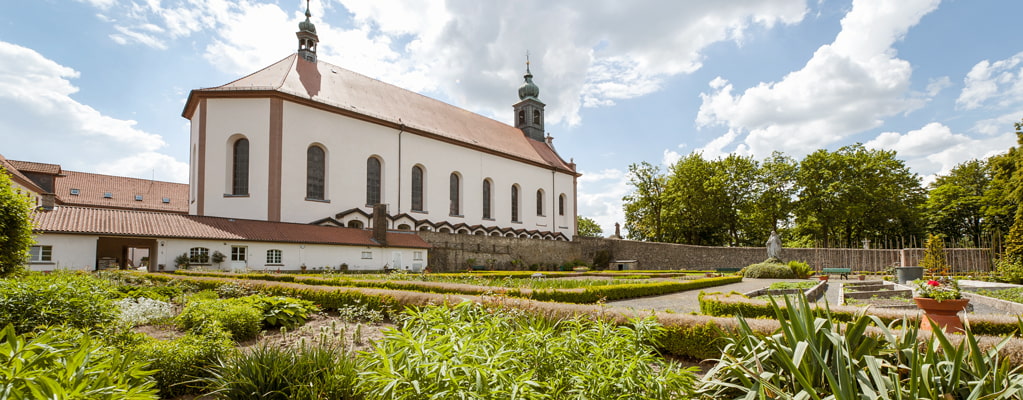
360 313
768 270
812 356
587 227
242 319
68 364
591 295
956 203
473 352
281 311
15 227
1012 294
697 341
180 362
234 289
309 372
801 270
934 255
792 285
62 298
601 259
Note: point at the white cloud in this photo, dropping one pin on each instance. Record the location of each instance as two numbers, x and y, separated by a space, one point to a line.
847 87
470 52
935 149
1000 81
36 103
600 197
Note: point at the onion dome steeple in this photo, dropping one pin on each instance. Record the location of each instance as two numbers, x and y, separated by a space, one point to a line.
529 110
307 38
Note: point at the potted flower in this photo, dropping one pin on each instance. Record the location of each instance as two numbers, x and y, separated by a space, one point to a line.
941 302
822 277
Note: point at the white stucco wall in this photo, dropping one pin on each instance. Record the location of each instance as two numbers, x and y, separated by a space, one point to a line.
349 143
70 252
293 255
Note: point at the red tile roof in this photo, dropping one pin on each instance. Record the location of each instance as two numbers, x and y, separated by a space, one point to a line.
386 104
17 176
115 222
43 168
123 191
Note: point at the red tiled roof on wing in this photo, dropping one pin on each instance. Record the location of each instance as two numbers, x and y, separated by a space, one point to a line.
116 222
18 177
42 168
92 190
385 104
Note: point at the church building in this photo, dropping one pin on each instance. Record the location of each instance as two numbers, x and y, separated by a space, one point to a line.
304 141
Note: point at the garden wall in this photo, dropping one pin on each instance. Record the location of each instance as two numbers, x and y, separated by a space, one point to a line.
450 252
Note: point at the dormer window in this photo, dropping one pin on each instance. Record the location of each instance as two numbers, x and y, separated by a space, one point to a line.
108 195
138 197
75 192
166 200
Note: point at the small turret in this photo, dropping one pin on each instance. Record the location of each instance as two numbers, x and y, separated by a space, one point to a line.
529 112
307 38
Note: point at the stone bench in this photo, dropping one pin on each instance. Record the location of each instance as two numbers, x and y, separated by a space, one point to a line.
844 272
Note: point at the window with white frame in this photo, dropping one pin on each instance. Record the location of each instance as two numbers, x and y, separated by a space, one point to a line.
199 255
367 255
238 253
40 254
273 256
417 256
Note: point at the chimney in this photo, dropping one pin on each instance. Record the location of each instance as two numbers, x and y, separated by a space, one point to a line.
48 200
380 224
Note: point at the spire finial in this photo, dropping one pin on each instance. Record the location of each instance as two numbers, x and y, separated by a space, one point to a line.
307 13
527 63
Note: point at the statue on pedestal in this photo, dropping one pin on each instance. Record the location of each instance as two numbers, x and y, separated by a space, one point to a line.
774 247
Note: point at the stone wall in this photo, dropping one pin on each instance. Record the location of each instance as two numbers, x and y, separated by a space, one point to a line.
451 251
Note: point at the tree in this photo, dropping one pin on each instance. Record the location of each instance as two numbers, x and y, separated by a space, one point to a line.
587 227
15 227
644 207
955 202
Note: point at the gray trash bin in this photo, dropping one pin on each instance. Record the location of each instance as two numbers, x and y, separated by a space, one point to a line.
908 274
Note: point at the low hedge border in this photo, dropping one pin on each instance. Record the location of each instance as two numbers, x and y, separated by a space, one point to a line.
695 337
581 296
727 305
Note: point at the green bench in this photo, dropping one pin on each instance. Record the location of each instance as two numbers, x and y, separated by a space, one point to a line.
844 272
727 270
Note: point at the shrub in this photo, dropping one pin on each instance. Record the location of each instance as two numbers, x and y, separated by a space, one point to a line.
234 289
182 361
768 270
281 311
360 313
470 351
241 319
143 311
75 300
800 270
626 291
68 364
309 372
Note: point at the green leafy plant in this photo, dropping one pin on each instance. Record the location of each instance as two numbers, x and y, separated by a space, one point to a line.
62 298
800 269
943 288
181 362
934 255
308 372
768 270
68 364
240 318
281 311
15 227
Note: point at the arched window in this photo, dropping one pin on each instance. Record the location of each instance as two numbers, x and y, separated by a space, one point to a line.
522 117
240 168
536 117
515 203
315 170
455 193
486 199
355 224
373 181
539 203
561 205
417 188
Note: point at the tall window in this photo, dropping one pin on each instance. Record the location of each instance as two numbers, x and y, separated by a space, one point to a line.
40 253
372 181
240 168
417 188
515 203
486 199
273 256
315 170
539 202
561 204
455 193
536 117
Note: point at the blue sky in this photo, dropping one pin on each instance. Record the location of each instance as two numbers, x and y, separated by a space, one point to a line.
98 85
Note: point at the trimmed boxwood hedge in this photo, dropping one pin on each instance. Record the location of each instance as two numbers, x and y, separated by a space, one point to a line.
627 291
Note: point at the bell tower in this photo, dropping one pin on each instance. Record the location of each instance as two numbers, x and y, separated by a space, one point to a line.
307 38
529 111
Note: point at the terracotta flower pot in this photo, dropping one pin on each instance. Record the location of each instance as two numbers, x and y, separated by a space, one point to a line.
944 313
823 277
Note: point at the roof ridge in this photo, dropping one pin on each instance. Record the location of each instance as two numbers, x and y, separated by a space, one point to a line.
273 64
122 177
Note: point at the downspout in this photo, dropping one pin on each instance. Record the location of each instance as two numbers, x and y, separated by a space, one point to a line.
554 203
401 129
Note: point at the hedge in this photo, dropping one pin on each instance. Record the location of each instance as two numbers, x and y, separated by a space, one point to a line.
627 291
728 305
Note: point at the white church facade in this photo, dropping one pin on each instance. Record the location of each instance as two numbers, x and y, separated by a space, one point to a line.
305 141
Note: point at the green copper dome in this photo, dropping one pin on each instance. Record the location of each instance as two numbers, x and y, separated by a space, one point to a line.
307 25
528 89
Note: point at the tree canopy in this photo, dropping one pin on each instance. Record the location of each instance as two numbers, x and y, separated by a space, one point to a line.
588 227
15 227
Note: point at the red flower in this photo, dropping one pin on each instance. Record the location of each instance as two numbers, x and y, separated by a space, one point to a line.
934 283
